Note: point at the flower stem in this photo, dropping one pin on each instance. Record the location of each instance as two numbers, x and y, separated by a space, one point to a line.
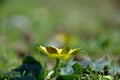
56 68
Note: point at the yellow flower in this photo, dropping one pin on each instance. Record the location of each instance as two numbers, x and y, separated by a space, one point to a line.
63 54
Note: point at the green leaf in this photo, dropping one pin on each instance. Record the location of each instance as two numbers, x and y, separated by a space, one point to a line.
26 77
89 69
77 69
65 50
68 77
42 75
29 59
51 50
29 65
13 74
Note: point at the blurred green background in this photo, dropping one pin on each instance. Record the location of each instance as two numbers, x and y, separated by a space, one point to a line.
92 25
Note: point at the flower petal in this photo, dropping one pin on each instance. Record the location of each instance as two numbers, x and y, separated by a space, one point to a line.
65 50
63 54
51 50
42 49
74 51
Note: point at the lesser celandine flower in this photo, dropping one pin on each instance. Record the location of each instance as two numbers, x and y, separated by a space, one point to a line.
59 54
62 54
